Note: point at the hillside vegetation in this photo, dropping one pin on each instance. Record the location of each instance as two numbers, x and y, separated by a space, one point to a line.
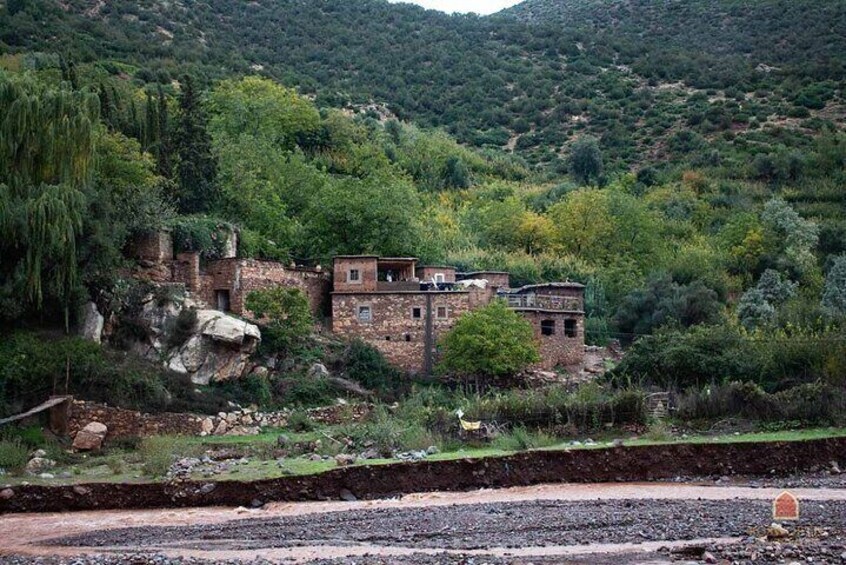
663 154
634 74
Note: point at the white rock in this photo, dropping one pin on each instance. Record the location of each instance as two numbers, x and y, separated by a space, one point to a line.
91 323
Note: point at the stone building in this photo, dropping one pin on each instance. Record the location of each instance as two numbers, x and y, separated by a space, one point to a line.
402 309
225 283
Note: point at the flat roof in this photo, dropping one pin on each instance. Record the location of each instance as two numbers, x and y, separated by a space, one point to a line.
437 267
484 273
355 257
547 285
398 259
420 292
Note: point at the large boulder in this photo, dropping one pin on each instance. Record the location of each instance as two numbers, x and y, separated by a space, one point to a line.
218 348
91 323
90 438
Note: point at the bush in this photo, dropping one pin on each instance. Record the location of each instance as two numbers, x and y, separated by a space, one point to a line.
13 455
201 234
365 365
491 342
301 422
159 452
181 328
810 404
286 317
303 391
32 366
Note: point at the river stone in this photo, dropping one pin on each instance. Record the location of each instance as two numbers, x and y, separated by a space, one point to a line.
90 437
38 465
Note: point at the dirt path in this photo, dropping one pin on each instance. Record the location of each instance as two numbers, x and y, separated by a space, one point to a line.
537 523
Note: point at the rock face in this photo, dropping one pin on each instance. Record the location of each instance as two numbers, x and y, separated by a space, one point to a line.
91 323
90 438
217 349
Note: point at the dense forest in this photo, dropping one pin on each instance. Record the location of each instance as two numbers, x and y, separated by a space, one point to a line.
691 180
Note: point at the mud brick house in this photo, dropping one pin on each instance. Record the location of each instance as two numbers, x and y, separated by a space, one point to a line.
225 283
402 309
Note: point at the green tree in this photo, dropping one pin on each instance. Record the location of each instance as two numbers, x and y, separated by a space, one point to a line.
754 310
197 168
793 238
834 294
46 158
286 317
490 342
260 108
586 160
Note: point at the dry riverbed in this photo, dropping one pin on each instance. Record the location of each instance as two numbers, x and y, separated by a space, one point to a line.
608 523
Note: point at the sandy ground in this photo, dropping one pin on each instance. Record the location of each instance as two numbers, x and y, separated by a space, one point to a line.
610 523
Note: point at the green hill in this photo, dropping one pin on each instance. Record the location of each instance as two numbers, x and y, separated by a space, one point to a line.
533 79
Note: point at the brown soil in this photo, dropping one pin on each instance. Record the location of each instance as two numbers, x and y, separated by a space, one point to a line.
622 464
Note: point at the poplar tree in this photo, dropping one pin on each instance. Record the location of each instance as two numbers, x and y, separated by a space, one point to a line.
197 167
46 154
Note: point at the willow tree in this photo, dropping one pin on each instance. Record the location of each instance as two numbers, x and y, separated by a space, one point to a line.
46 155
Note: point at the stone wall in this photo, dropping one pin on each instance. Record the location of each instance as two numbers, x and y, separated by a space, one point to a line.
155 246
557 349
131 424
393 327
238 277
368 272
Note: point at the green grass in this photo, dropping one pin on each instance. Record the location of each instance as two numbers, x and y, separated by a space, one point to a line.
103 468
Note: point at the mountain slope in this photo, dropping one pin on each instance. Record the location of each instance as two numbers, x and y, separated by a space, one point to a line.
533 79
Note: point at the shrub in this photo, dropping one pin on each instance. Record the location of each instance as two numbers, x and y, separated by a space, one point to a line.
364 364
301 422
201 234
286 317
490 342
181 328
159 452
13 455
303 390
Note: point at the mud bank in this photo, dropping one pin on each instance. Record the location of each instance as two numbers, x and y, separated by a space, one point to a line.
621 464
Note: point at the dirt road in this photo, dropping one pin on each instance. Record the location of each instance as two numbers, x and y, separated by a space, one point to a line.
610 523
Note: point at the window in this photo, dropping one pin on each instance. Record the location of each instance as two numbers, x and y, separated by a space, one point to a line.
547 327
416 313
221 297
354 276
442 312
407 337
571 329
365 314
439 277
387 338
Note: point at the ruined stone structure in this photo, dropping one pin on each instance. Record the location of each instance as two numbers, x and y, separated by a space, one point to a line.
402 309
225 283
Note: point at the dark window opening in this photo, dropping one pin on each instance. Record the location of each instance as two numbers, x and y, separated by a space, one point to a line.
407 337
221 297
355 276
571 329
364 314
387 338
416 313
442 312
547 327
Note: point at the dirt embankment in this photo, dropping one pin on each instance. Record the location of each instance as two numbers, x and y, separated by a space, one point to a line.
619 464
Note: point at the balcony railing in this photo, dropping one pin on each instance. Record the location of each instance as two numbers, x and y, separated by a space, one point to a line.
545 302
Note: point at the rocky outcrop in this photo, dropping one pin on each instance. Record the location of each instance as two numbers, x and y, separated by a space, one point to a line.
91 323
218 350
217 347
